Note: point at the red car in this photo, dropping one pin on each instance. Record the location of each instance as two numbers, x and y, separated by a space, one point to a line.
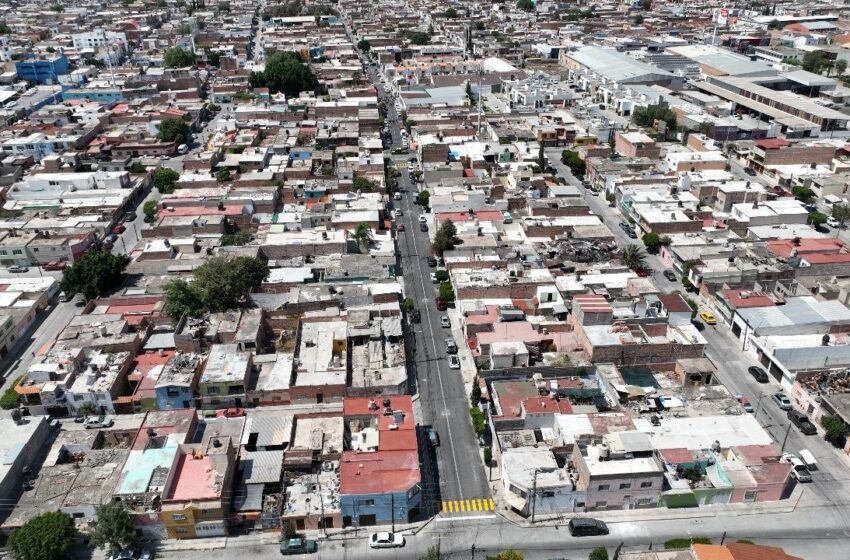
55 265
441 304
230 413
399 227
119 229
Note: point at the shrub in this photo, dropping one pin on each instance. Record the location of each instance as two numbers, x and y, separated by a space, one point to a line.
10 398
685 542
477 420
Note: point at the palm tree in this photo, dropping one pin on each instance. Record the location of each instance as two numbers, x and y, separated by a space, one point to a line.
363 235
633 256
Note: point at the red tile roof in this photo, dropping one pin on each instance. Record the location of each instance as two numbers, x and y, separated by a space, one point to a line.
742 551
772 143
752 299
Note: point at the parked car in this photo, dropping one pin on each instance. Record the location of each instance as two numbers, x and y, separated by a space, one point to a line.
386 540
749 172
669 275
798 468
297 546
423 219
632 234
417 316
149 218
111 238
119 229
55 265
451 347
708 318
745 403
432 437
783 402
126 554
98 422
759 374
146 554
129 217
802 422
445 322
434 278
230 413
432 261
454 362
399 227
587 527
441 303
423 227
15 268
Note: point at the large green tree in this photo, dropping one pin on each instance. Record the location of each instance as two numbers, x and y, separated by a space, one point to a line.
221 283
173 129
841 213
114 528
286 73
178 58
96 273
445 238
633 256
646 116
363 236
816 61
574 162
164 179
150 207
525 5
44 537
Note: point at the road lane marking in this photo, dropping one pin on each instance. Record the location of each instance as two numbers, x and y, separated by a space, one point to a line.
464 518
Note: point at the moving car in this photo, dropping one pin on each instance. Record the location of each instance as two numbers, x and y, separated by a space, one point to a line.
98 422
759 374
669 275
745 403
454 362
802 422
397 196
708 318
432 437
445 322
17 268
297 546
783 402
451 347
55 265
586 527
386 540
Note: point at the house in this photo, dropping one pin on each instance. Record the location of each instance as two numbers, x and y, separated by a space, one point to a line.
224 382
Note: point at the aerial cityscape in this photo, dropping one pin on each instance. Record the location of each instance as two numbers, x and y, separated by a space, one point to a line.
356 279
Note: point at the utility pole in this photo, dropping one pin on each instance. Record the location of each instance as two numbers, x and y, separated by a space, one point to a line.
480 73
785 439
534 497
392 511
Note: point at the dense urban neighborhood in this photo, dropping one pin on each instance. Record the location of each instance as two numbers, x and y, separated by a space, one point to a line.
514 280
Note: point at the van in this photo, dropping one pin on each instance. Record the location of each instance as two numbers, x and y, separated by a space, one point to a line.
587 527
182 149
808 459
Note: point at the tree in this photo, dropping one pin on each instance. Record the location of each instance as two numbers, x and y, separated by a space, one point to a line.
803 194
221 283
445 238
418 37
638 20
57 7
598 553
525 5
816 61
633 256
836 430
575 163
446 292
285 73
4 28
451 13
363 184
817 218
164 179
478 424
646 116
45 537
442 275
137 168
475 395
149 208
841 213
363 236
94 274
424 197
222 175
774 24
541 157
645 4
173 129
178 58
114 527
364 45
408 304
652 241
840 66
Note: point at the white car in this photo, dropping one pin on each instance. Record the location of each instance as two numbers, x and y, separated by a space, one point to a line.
445 322
454 362
423 220
386 540
98 422
434 279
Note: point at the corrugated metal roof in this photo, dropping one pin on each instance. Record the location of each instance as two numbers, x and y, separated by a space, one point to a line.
271 430
262 466
615 65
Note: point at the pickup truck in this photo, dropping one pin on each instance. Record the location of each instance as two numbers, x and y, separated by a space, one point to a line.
297 546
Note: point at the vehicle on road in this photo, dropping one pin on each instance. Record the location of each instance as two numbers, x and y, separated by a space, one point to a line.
146 554
445 322
126 554
111 238
749 172
669 275
780 399
432 261
632 234
119 229
798 468
297 546
399 227
759 374
432 437
808 459
434 278
423 227
128 217
423 220
441 304
708 318
417 316
802 422
230 413
55 265
63 297
182 149
745 403
454 361
397 196
386 540
399 212
451 347
98 422
150 218
16 268
587 527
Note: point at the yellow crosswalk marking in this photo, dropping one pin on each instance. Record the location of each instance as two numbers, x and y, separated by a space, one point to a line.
473 504
490 504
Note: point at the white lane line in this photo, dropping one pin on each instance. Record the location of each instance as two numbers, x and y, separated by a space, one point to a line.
441 519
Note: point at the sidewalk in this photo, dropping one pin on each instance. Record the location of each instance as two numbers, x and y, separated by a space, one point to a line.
468 370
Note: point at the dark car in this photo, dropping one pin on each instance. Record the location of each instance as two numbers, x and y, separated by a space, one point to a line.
433 437
417 316
432 261
669 275
149 218
624 226
820 228
129 217
587 527
632 234
749 172
759 374
802 422
423 227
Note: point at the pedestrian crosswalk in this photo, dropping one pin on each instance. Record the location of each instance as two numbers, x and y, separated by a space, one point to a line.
458 506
